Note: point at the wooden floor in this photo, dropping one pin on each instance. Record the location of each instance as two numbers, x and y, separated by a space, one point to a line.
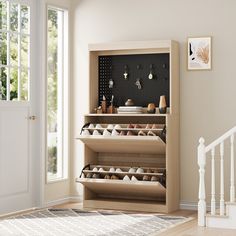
187 229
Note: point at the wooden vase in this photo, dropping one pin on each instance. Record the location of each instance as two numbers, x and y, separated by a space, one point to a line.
162 104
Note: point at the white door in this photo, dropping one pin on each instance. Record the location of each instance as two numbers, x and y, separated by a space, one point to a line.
19 152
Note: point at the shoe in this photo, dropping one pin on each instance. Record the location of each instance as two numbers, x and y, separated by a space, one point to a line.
114 177
112 169
110 126
148 126
141 133
130 126
98 126
96 176
146 178
95 169
130 133
118 170
96 132
122 133
154 126
106 133
91 126
107 177
101 169
114 133
117 127
126 178
89 175
139 170
134 178
132 170
85 132
150 133
137 126
154 178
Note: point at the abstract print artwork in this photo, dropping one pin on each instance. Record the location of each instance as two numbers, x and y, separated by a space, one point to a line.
199 53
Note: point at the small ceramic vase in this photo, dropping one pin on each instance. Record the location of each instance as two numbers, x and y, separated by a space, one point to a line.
162 104
151 108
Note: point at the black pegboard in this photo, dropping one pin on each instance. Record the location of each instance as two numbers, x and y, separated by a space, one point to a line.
113 67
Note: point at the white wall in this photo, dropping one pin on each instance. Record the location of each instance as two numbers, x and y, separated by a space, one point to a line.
207 98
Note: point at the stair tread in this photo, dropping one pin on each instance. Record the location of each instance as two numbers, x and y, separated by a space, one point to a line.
216 216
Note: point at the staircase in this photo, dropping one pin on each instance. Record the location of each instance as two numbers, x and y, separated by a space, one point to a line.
225 217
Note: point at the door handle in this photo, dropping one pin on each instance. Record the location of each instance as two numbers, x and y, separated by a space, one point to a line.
32 118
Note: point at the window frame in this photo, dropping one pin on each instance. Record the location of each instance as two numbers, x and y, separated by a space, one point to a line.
64 95
19 67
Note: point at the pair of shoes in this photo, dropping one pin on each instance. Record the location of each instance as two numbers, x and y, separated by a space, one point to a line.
108 133
132 126
127 178
134 170
151 126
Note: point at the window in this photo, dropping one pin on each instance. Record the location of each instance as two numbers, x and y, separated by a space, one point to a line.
57 94
14 51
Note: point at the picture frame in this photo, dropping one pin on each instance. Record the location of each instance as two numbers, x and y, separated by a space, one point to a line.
199 53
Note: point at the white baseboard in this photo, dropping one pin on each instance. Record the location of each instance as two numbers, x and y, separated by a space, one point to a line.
188 205
65 200
18 212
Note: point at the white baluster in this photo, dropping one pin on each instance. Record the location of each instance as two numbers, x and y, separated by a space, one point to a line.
232 187
201 193
222 202
213 193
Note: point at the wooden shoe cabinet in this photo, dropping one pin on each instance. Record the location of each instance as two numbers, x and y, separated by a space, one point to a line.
157 156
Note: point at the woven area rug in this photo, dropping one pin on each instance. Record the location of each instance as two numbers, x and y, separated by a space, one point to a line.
65 222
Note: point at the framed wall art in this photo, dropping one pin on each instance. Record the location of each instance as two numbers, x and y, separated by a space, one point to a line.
199 53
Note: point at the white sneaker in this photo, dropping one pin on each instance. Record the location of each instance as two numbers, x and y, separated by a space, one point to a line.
134 178
98 126
95 132
132 170
112 169
139 170
118 170
126 178
110 126
106 133
91 126
115 133
85 132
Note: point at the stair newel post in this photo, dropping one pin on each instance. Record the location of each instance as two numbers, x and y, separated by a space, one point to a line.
232 186
213 194
222 201
201 193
